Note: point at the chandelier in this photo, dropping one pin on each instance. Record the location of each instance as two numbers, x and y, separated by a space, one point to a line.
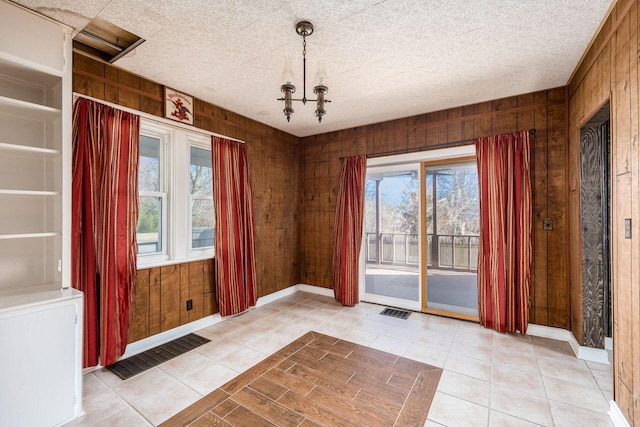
304 29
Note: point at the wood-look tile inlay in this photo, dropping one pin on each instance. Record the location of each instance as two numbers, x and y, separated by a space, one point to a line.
319 380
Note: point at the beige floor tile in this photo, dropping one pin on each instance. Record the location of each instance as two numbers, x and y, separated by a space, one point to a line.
209 378
596 366
428 355
434 339
464 387
453 411
468 366
98 404
218 348
474 336
107 377
387 329
390 345
359 336
590 398
572 372
241 359
521 405
517 379
156 395
126 417
489 378
571 416
604 379
500 419
470 349
185 364
522 361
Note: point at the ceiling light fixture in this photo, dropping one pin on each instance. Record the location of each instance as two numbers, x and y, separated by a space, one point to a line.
304 29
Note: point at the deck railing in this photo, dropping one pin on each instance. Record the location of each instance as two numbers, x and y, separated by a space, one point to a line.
444 251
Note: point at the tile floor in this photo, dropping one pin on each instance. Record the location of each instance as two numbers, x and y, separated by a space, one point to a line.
489 379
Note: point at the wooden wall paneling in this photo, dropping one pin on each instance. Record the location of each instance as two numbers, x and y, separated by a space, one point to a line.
539 158
209 299
183 271
170 297
196 290
139 323
109 83
558 285
634 110
621 210
155 301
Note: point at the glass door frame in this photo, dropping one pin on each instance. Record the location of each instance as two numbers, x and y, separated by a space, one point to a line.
423 237
387 300
445 155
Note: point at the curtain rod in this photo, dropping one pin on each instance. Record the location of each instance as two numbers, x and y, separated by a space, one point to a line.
429 147
157 119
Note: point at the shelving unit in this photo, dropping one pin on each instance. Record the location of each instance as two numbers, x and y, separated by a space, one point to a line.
34 159
40 315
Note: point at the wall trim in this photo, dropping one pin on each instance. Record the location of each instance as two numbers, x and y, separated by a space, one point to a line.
581 352
617 417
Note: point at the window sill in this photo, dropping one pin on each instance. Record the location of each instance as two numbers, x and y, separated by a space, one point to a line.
156 262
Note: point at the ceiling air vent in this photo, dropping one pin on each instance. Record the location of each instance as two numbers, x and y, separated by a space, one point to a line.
105 40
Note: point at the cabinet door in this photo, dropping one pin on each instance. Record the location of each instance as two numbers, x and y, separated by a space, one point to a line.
38 366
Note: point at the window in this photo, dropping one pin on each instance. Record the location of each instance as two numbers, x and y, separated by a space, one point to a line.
175 194
152 198
201 198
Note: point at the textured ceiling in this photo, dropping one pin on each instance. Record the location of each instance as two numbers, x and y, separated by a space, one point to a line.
384 59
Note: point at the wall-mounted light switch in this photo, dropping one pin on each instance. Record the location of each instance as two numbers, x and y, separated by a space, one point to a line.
627 228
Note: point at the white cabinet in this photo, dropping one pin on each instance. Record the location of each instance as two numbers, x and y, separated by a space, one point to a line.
40 353
40 315
35 154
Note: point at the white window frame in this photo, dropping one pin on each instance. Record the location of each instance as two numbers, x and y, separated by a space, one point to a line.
163 134
204 143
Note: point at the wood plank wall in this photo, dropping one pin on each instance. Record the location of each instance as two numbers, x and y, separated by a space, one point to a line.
161 294
545 111
609 70
274 160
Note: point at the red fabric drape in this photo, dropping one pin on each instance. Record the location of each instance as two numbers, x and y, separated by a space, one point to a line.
348 229
236 288
103 224
504 259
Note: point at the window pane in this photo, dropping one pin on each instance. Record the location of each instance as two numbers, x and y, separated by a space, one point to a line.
148 232
149 164
202 223
200 171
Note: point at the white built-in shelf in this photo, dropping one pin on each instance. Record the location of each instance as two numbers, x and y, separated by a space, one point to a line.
27 148
28 109
28 192
25 70
29 235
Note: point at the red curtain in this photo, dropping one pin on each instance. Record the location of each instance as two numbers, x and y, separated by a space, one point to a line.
348 229
504 259
236 288
103 224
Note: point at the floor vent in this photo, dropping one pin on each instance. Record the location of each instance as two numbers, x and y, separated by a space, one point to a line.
394 312
139 363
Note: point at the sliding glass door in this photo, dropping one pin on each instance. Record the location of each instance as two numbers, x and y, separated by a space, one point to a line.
391 237
450 223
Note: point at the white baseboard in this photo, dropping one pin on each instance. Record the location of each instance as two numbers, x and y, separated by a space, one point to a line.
617 417
581 352
164 337
315 290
